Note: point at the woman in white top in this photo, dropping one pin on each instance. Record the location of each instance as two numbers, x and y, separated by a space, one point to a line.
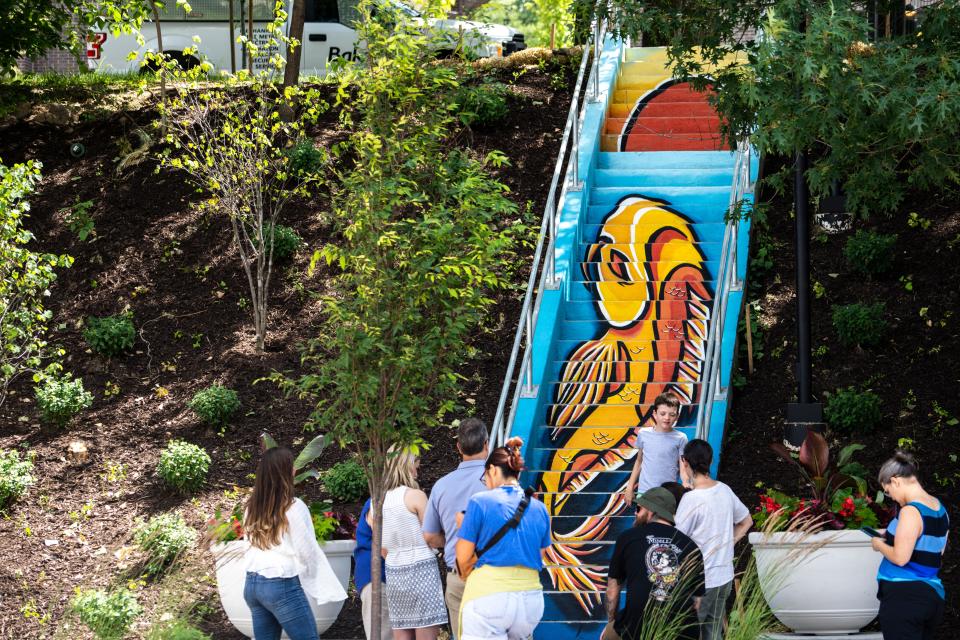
414 590
285 564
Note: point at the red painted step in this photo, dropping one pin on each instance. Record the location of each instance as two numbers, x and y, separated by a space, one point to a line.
675 124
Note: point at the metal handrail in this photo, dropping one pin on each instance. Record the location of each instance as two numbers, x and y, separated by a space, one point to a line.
727 280
549 279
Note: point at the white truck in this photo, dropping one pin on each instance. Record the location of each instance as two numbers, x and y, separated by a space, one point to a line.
326 35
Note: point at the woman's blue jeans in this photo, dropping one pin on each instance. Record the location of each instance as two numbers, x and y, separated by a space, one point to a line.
278 605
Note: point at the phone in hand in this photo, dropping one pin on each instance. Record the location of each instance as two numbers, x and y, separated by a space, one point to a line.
870 531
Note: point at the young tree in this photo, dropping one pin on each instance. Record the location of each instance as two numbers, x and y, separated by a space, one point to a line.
425 234
25 279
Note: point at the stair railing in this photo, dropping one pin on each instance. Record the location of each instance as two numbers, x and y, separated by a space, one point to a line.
546 243
727 281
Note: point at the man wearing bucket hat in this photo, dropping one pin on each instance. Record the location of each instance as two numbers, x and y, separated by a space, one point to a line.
662 570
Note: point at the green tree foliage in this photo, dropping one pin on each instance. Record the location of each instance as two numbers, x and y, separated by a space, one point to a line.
425 233
860 324
542 22
30 29
878 118
25 280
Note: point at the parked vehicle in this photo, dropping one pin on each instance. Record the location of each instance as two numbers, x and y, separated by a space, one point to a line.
326 36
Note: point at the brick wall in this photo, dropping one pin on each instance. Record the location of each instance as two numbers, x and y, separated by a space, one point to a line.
57 61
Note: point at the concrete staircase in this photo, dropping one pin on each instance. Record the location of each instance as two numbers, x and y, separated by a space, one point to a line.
631 321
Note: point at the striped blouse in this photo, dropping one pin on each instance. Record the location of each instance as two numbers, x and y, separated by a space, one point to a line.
924 564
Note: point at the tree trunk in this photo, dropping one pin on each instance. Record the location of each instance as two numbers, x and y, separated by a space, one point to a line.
291 73
376 581
163 67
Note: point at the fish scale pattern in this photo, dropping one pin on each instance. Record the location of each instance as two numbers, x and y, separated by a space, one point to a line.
632 324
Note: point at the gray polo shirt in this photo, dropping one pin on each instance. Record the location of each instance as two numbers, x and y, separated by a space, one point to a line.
450 496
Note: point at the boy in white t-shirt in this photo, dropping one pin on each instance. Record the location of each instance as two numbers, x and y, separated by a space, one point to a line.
714 517
658 449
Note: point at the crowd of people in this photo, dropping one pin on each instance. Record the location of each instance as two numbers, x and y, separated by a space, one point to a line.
676 563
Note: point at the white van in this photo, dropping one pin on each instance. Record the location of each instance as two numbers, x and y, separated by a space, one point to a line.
325 36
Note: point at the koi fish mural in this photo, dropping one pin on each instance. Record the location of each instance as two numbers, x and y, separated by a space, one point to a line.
650 290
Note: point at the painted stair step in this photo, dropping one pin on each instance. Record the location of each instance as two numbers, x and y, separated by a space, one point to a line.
637 350
698 213
677 196
612 415
677 95
585 290
675 309
663 142
625 109
633 75
626 393
632 88
550 434
581 331
592 252
663 125
666 160
703 177
569 629
702 231
565 607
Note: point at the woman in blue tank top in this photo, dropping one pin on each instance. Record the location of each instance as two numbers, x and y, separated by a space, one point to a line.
910 591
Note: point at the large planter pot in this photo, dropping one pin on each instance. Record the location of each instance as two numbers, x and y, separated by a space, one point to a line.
824 583
231 576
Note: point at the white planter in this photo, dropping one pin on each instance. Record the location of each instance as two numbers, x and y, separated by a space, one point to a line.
825 583
231 577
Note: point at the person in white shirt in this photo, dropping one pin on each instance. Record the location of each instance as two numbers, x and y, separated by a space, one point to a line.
715 518
285 564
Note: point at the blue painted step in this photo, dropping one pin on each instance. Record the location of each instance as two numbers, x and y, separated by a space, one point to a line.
694 209
703 177
703 231
680 198
665 160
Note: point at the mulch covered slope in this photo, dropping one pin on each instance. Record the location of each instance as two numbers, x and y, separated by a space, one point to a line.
173 267
914 370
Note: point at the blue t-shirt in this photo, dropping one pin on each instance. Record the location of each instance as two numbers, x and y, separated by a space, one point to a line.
489 510
361 553
449 497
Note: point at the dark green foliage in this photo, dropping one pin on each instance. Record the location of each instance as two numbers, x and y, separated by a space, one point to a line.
850 410
482 104
177 629
107 614
286 241
862 324
183 466
16 476
306 158
215 405
110 336
30 29
162 539
346 481
59 398
869 252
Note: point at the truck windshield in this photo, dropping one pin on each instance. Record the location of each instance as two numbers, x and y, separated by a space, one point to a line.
410 11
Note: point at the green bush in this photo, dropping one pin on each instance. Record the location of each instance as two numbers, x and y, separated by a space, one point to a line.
286 241
346 481
304 158
183 466
851 410
16 476
215 405
177 629
59 398
870 253
482 104
110 336
107 614
862 324
162 539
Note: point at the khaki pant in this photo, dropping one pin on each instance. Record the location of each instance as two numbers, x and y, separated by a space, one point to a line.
453 596
366 604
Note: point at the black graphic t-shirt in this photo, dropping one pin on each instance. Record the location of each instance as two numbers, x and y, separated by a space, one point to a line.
658 564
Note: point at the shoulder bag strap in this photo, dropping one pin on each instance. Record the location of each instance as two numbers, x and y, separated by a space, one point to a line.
512 523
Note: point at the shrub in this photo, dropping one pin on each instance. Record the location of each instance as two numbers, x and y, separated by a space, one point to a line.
346 481
869 252
183 466
162 539
304 158
177 629
851 410
61 397
110 336
858 323
215 405
16 476
107 614
286 241
482 104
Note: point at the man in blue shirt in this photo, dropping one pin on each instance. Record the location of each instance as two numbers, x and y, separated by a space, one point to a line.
450 496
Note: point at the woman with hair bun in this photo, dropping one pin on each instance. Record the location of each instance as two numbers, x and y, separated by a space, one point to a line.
911 594
504 530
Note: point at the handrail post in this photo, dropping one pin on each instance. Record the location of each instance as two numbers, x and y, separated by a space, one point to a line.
529 389
552 281
596 61
576 184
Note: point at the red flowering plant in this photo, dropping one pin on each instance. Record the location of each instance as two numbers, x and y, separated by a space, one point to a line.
837 491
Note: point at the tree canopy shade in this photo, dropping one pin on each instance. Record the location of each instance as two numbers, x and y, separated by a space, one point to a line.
29 28
877 112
